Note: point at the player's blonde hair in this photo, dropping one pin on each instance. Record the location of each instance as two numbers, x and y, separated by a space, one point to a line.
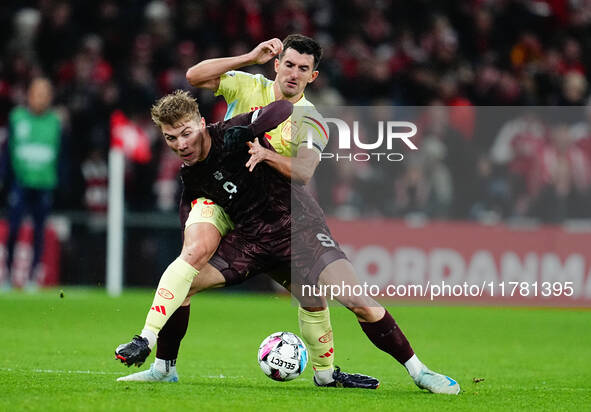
175 107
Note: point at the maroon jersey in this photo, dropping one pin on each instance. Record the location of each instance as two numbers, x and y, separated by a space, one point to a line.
223 177
278 226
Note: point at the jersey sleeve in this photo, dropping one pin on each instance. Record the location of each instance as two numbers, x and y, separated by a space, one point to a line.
235 84
312 130
262 120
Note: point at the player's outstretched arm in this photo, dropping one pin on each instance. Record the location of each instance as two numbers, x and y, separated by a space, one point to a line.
239 131
206 74
299 169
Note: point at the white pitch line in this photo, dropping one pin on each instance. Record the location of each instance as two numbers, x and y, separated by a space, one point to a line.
78 372
59 371
105 373
220 376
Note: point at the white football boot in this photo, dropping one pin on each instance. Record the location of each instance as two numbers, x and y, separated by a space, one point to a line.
151 375
436 382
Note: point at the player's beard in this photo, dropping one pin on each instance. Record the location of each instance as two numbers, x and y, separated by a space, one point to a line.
290 92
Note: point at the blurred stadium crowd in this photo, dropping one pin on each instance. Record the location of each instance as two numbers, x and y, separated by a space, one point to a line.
105 54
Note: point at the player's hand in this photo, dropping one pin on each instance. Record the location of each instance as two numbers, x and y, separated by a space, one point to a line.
235 137
257 154
266 50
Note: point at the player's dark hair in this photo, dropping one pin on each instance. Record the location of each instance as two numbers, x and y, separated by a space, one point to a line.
174 107
304 45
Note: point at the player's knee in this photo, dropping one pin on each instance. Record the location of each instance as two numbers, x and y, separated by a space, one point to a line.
197 254
368 313
362 312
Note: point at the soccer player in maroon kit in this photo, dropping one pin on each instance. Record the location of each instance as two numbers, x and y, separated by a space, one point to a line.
277 230
296 63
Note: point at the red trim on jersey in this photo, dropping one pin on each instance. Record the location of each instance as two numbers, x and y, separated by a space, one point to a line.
319 124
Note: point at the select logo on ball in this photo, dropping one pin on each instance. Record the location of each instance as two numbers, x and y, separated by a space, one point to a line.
165 293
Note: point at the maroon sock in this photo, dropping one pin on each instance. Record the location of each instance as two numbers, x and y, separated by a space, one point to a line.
170 336
387 336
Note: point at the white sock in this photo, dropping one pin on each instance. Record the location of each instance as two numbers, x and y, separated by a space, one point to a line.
324 377
165 366
414 366
151 336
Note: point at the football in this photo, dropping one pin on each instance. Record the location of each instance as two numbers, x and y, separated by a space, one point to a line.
283 356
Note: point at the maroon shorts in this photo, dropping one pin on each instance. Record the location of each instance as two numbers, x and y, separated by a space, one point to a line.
268 244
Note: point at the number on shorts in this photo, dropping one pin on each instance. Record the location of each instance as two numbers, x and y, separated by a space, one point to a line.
325 240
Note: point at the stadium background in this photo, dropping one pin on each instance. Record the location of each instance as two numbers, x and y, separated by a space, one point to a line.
107 55
458 199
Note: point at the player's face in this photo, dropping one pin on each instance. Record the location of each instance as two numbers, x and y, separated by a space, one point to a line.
39 95
187 139
294 71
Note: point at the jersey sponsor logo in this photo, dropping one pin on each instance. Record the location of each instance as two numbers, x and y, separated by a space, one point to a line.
207 211
165 293
325 338
159 309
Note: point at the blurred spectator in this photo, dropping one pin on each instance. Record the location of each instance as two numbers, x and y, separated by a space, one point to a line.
563 178
347 180
57 35
33 149
95 172
425 187
528 51
581 132
574 89
456 153
527 126
492 192
173 77
104 55
516 147
167 182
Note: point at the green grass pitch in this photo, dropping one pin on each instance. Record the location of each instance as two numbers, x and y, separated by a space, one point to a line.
57 354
